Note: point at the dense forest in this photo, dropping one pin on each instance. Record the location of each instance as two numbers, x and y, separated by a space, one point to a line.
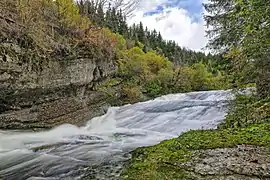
146 39
158 66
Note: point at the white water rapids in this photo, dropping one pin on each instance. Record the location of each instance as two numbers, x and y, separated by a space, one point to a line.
99 149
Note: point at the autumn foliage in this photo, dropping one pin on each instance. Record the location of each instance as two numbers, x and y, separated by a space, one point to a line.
52 26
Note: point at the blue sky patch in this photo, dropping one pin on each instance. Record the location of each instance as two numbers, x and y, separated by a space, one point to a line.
194 8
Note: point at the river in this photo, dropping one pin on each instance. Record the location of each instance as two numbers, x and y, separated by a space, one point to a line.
99 149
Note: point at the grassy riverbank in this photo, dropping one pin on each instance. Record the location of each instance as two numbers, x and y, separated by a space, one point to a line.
238 149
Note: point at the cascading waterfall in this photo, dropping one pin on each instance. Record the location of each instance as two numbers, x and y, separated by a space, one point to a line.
99 149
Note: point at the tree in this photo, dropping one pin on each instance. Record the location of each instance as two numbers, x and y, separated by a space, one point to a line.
242 26
136 35
122 23
127 6
141 35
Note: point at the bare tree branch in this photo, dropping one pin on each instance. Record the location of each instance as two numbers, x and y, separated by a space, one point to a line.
127 6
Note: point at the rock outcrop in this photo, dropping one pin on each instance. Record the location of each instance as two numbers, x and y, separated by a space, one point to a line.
42 89
62 91
241 163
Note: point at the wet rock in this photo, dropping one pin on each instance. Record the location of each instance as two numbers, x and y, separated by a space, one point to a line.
85 137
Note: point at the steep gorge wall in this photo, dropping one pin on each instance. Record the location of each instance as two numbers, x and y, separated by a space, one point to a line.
49 93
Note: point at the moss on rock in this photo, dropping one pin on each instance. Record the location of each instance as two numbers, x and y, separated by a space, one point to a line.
169 159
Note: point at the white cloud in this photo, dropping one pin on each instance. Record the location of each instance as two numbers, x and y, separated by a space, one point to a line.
176 25
150 5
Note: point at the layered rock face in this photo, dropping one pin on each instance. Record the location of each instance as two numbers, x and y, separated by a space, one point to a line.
48 71
49 93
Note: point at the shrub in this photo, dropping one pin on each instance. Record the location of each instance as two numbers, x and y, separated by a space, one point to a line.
132 93
246 110
153 88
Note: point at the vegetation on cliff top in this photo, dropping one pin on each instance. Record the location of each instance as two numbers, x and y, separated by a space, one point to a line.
150 66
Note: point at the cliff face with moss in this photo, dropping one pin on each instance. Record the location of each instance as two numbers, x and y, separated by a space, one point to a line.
48 78
62 91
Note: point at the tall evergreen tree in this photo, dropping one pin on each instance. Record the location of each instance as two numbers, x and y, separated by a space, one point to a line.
108 17
141 35
114 20
100 16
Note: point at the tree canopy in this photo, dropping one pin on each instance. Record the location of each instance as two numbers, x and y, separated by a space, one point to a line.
242 27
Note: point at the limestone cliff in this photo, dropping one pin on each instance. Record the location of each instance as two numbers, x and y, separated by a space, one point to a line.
39 91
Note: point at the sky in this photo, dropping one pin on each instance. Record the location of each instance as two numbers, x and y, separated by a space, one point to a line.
179 20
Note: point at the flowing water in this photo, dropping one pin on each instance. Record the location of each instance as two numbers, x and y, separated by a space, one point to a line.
100 148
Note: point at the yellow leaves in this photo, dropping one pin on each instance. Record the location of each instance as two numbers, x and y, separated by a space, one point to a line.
147 70
121 42
68 14
156 62
132 92
165 76
136 51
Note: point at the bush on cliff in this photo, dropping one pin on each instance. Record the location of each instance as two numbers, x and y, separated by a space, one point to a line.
54 28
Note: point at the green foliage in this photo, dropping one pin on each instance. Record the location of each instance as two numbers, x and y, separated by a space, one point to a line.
156 76
68 12
140 53
133 65
250 40
149 70
121 42
156 62
138 35
141 58
152 162
165 77
246 110
131 93
153 88
198 78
